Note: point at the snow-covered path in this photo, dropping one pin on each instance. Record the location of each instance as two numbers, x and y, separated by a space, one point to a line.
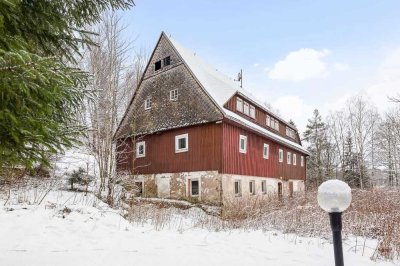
93 234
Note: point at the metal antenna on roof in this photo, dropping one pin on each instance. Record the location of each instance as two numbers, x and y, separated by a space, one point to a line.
240 78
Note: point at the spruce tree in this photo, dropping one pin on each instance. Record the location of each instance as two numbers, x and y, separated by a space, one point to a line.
41 92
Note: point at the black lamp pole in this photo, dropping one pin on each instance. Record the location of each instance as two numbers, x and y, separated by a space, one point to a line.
336 225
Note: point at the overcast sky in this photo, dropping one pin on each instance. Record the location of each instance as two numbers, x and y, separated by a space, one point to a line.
297 55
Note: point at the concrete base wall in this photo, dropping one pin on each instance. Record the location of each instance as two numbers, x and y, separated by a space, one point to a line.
213 186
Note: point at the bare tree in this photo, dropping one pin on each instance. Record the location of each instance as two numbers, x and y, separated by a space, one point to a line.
115 78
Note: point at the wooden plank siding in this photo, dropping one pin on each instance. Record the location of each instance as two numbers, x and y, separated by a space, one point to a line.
204 154
260 119
252 162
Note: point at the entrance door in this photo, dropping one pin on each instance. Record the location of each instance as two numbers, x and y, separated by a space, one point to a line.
280 189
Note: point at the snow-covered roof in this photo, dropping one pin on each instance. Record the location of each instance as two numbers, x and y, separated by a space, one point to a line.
218 85
221 88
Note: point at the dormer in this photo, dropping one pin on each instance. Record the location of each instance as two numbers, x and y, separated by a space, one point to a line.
255 113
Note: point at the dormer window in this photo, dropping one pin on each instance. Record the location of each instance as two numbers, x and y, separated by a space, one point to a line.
147 104
157 65
239 105
173 95
252 111
167 61
246 108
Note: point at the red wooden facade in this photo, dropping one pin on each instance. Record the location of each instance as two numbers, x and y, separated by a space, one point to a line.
212 147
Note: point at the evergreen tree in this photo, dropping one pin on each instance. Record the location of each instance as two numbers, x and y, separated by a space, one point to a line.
40 92
315 135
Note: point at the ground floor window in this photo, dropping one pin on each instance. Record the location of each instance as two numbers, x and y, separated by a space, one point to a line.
264 186
252 187
238 188
138 189
194 187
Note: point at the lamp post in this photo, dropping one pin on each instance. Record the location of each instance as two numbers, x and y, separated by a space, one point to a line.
334 197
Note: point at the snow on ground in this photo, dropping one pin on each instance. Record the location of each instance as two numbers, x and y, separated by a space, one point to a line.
69 228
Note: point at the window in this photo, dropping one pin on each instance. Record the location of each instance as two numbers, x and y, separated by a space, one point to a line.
239 104
252 111
264 187
138 188
277 125
252 187
290 133
157 65
246 107
140 149
280 155
268 120
182 143
266 151
167 61
238 188
173 95
194 187
147 104
243 144
302 161
294 159
289 158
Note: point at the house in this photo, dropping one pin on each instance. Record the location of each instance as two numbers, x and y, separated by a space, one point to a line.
190 132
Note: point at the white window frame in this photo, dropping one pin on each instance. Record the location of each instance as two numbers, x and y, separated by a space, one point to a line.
246 108
173 95
138 144
252 187
288 158
280 155
268 120
244 150
239 101
277 125
177 138
266 148
263 186
302 161
191 187
147 103
252 111
239 193
294 159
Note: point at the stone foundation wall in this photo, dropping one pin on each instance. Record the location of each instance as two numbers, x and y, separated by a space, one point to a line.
214 187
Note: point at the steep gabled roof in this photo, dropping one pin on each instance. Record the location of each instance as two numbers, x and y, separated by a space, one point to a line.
221 88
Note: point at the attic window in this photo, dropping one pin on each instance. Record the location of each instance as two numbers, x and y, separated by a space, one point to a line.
252 111
167 61
173 95
147 104
157 65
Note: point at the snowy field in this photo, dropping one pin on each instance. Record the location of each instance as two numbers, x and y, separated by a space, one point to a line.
68 228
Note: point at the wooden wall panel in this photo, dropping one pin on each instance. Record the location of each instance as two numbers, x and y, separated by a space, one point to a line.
205 151
252 163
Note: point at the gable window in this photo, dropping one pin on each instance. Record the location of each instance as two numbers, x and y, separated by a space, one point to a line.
140 149
194 187
252 187
276 125
280 155
238 188
294 159
242 144
289 158
264 187
157 65
239 104
167 61
147 104
252 111
302 161
268 120
266 151
181 143
173 95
